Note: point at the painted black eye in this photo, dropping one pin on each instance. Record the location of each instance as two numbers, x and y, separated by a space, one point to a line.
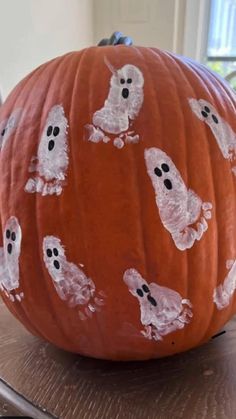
129 81
13 236
152 300
165 167
3 132
205 114
8 234
55 251
49 130
214 119
56 264
122 81
139 292
145 288
207 109
168 184
158 171
56 131
49 253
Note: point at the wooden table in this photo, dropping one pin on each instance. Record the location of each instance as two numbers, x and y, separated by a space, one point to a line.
41 381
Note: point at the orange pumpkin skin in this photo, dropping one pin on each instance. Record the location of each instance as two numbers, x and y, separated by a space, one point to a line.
106 215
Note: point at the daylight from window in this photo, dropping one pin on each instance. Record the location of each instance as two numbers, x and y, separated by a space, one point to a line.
221 48
222 30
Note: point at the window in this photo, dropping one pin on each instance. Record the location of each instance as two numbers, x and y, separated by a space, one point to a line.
221 48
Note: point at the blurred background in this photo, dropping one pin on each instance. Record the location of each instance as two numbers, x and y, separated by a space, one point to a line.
34 31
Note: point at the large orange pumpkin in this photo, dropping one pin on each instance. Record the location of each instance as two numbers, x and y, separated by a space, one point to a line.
118 202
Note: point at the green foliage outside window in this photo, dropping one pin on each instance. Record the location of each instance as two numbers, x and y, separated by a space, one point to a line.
223 68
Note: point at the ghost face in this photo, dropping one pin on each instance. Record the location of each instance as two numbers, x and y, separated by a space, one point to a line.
139 288
127 78
123 102
8 126
69 280
223 133
54 257
127 89
165 177
161 308
170 189
205 111
136 284
53 148
178 206
12 247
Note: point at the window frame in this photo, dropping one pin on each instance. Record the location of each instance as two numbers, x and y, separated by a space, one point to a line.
197 19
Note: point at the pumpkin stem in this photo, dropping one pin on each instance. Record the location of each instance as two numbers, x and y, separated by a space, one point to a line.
116 38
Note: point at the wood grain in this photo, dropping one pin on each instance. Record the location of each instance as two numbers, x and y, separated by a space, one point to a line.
200 384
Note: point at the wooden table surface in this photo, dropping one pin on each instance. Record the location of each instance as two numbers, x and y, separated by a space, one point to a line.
41 381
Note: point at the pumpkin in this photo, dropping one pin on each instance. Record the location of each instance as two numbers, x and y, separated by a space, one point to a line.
118 202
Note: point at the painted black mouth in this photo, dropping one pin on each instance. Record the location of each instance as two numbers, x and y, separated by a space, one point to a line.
9 248
51 145
125 93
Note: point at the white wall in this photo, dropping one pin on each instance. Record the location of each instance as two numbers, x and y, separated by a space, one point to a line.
156 23
179 26
34 31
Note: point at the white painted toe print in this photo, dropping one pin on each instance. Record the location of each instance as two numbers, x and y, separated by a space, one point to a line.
9 260
52 159
70 282
223 133
8 126
224 292
121 107
181 210
163 310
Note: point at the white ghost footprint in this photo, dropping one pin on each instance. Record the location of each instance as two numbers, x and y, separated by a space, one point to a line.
181 210
121 107
163 310
9 260
224 292
8 126
52 159
222 131
70 282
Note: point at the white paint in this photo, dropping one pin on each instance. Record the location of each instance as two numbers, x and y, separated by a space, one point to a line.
163 310
9 259
224 292
118 142
70 282
181 210
130 137
52 158
94 134
121 107
223 133
8 126
35 31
